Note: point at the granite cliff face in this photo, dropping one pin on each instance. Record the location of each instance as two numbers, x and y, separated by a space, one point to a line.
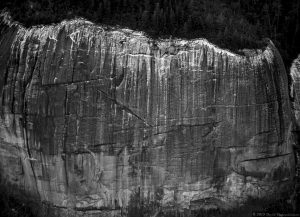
295 93
98 120
295 90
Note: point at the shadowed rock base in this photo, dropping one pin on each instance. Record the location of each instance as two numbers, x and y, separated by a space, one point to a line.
23 206
97 120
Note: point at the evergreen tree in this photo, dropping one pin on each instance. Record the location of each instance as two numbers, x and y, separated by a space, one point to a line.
100 12
188 25
172 19
162 20
147 5
235 23
145 19
155 16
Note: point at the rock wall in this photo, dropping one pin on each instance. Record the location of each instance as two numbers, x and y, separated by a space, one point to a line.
295 90
96 119
295 93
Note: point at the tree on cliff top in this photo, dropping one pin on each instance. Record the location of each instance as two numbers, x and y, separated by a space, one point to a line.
232 24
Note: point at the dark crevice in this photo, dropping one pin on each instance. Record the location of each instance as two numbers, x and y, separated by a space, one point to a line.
265 132
264 158
125 108
24 117
71 82
25 131
87 209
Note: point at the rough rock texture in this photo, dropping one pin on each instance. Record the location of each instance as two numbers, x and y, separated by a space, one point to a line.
295 90
295 93
98 119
